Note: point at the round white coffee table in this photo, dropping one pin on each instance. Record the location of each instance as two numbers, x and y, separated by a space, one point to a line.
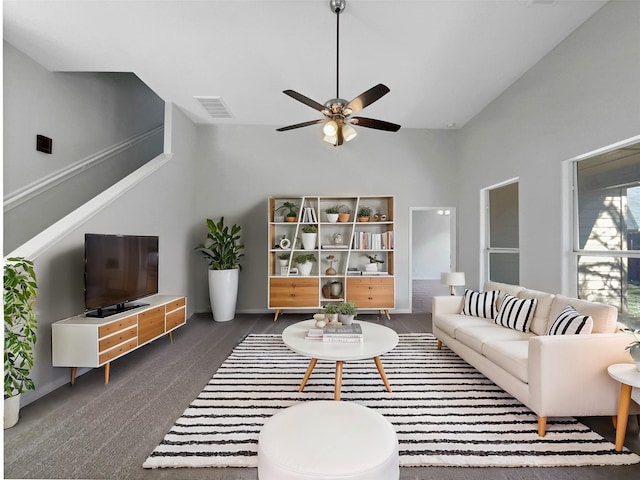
628 376
377 340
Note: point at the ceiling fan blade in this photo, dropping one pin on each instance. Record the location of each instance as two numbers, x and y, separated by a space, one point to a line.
305 100
373 123
298 125
368 97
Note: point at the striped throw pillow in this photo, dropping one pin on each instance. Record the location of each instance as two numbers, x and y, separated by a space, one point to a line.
570 322
480 304
516 313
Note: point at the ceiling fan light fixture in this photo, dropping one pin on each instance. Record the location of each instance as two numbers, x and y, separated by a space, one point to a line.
348 132
332 139
330 128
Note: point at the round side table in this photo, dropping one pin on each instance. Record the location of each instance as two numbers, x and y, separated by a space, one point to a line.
629 377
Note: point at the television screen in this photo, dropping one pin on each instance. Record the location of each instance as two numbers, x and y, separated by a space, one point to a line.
119 269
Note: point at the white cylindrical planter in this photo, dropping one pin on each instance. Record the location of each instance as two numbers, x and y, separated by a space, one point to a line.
309 241
11 411
332 217
223 293
305 268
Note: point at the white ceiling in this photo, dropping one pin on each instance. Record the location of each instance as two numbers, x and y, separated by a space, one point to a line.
444 61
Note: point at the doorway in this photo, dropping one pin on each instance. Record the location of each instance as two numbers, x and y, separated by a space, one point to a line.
432 251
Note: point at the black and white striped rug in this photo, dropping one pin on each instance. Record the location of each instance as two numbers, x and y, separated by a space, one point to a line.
445 412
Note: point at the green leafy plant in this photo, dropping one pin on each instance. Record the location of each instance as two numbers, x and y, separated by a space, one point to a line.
374 258
20 325
310 229
636 337
335 209
291 207
304 258
347 308
223 248
344 209
364 211
331 309
284 256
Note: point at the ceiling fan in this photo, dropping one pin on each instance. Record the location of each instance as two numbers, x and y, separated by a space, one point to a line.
338 121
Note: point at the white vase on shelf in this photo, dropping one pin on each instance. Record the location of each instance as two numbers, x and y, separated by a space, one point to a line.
305 268
309 241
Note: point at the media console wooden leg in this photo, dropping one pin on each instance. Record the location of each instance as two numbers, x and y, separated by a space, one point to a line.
107 367
336 393
307 374
278 312
386 312
171 337
623 415
439 344
382 374
542 426
74 370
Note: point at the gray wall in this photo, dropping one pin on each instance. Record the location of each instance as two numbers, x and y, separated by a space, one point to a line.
84 114
583 95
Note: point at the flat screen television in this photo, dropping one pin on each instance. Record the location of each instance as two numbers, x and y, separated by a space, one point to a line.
118 269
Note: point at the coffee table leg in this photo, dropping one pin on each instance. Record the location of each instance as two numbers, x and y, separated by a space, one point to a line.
623 415
307 374
336 392
382 374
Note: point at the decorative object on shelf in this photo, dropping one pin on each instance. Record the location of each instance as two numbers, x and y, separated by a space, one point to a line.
285 243
331 312
346 312
331 270
383 217
292 214
634 346
326 290
223 251
337 112
283 259
20 326
336 289
332 214
344 213
309 237
337 238
364 213
453 279
305 262
372 266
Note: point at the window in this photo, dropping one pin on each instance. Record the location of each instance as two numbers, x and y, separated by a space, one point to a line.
502 254
607 240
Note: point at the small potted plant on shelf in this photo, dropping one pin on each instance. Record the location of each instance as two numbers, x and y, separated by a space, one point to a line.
292 214
305 262
634 346
332 214
373 263
346 312
20 325
364 213
331 312
344 213
309 237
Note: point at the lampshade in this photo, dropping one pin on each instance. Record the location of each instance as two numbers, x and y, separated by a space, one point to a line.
452 278
332 139
348 132
330 128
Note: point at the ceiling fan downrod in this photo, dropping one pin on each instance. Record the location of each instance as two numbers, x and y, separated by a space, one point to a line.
337 7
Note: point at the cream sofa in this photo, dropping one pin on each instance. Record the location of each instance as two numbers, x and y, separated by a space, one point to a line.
553 375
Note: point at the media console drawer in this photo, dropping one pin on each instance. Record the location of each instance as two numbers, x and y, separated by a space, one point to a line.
93 342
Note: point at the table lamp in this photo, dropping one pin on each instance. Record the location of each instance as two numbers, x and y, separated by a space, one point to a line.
453 279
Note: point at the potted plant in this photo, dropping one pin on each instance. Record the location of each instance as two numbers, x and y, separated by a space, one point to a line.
309 237
346 312
634 346
344 213
331 312
364 213
20 327
292 214
373 263
332 213
305 262
223 252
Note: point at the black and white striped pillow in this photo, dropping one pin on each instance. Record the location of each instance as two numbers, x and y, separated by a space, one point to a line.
570 322
480 304
516 313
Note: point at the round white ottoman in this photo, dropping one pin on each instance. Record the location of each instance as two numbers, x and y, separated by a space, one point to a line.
328 439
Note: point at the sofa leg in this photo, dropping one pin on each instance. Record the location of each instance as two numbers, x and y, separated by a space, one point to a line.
542 426
439 344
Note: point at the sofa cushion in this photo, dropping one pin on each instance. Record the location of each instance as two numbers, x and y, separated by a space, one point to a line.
570 322
540 321
475 336
516 313
503 288
479 304
511 356
604 316
449 322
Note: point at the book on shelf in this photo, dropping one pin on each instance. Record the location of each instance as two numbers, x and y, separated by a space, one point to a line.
336 247
309 215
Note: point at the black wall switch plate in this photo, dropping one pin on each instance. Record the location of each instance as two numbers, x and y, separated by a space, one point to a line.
44 144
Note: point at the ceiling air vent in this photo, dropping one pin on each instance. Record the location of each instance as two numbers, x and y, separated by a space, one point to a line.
214 107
